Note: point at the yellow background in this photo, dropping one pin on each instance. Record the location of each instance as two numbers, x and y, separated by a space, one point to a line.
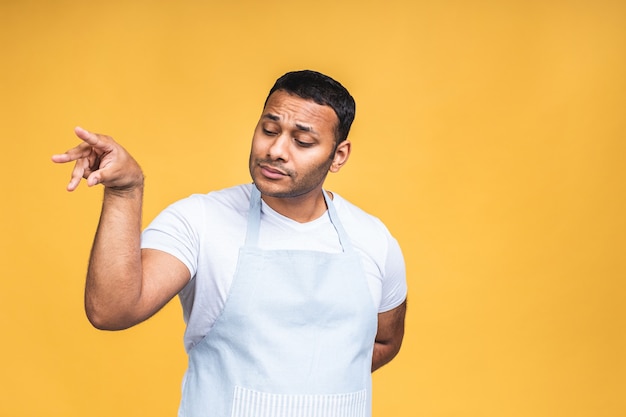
489 137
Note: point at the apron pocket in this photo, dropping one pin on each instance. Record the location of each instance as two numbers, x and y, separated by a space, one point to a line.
250 403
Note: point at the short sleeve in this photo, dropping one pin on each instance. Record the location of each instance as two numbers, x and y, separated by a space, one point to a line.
394 287
175 231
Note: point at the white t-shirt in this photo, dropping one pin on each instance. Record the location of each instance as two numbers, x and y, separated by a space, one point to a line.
206 231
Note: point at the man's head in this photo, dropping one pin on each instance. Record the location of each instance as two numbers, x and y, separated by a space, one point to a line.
323 90
301 135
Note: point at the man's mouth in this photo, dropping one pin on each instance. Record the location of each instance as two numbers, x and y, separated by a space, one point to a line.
272 172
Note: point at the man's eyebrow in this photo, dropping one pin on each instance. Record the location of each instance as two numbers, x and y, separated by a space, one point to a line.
271 117
304 128
300 126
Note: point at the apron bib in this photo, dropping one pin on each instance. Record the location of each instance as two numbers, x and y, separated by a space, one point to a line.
295 337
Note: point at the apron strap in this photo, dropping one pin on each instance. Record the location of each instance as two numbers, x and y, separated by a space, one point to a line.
254 217
345 242
254 220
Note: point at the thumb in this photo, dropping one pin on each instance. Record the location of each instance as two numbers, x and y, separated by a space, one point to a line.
94 178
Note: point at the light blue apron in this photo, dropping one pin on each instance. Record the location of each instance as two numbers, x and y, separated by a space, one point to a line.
295 337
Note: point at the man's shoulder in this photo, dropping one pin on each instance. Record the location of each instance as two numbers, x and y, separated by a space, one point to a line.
214 204
369 235
364 229
354 213
234 197
237 194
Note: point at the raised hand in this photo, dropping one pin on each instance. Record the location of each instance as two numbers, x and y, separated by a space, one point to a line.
101 160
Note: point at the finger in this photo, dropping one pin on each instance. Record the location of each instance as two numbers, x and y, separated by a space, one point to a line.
81 151
91 142
77 174
99 142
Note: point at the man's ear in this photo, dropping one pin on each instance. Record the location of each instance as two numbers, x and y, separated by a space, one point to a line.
341 155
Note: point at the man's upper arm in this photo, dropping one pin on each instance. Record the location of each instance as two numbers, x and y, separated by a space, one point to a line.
391 325
163 276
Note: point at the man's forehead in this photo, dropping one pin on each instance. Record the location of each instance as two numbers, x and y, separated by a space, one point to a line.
281 101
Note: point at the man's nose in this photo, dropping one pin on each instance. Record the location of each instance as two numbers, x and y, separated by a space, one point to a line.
279 148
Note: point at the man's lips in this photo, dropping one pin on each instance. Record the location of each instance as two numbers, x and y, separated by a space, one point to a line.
272 172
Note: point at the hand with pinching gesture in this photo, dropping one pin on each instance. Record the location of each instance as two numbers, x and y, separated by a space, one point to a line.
101 160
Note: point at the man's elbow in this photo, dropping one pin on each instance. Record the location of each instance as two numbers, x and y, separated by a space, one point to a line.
107 319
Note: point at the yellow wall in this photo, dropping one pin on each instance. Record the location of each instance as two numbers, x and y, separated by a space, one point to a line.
489 137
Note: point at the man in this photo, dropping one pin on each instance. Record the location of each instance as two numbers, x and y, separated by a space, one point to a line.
292 296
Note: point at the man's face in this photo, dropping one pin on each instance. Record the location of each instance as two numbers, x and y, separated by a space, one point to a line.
293 146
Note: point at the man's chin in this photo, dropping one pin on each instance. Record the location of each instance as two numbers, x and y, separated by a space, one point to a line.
271 189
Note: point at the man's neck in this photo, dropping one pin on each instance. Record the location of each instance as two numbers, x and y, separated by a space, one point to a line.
301 209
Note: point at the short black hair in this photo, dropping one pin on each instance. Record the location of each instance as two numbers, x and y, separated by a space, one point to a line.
323 90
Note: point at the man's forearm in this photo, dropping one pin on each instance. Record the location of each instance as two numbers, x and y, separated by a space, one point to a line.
383 354
389 336
114 277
